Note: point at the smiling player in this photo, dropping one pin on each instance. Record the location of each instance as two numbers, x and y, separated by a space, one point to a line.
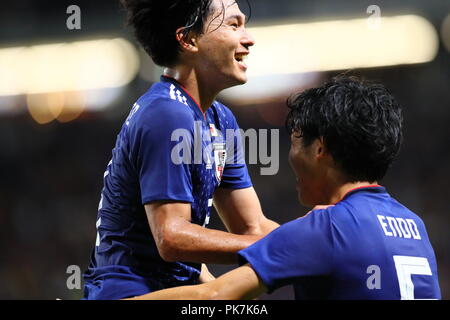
154 207
366 245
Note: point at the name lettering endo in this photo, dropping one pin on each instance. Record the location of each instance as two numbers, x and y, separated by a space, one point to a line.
399 227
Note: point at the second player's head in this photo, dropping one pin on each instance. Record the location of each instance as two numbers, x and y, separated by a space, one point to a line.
347 127
207 35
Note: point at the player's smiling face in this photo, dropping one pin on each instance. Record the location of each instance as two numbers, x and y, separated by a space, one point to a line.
225 44
308 172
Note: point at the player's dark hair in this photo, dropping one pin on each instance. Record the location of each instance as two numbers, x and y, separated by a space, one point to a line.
155 23
359 121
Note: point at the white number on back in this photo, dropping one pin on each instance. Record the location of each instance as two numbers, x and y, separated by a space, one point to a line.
407 266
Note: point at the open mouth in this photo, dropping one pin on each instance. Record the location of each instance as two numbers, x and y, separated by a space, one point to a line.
241 60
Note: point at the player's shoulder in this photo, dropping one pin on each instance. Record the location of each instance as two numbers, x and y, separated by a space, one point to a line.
318 214
403 212
316 222
162 98
335 214
157 106
364 207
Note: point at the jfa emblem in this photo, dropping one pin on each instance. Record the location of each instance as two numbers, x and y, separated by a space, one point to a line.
213 130
220 157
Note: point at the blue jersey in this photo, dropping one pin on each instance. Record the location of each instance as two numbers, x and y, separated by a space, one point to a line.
167 149
367 246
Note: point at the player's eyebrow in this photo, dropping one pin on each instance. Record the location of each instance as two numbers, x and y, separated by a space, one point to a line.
239 17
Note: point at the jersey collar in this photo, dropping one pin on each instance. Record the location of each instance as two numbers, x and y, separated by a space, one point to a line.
375 188
198 110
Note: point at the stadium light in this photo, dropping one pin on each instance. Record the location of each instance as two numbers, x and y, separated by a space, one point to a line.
67 67
61 106
339 45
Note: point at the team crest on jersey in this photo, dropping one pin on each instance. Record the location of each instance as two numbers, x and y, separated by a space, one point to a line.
213 130
220 157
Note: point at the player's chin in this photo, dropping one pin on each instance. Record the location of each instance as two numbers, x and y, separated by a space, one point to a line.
236 78
240 73
241 78
236 82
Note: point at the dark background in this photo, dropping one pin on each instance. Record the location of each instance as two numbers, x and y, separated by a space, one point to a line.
51 175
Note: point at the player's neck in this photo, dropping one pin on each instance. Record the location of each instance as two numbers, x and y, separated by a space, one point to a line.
342 189
203 92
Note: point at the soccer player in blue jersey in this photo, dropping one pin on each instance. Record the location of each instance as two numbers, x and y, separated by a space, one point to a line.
172 161
359 242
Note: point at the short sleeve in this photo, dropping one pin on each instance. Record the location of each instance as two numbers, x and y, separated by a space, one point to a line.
300 248
235 174
162 141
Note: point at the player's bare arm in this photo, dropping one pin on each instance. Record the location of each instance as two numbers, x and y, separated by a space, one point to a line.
177 239
239 284
240 211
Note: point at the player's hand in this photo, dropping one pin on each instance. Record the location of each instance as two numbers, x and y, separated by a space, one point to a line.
205 275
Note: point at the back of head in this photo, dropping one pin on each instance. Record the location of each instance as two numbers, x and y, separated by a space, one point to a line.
155 23
360 123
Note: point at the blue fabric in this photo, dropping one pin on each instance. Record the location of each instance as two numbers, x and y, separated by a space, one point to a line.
337 253
167 149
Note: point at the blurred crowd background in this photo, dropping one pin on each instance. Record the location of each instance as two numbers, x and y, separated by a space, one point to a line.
65 92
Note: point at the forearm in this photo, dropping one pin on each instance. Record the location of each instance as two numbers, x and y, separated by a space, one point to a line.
193 243
241 283
267 226
262 229
241 212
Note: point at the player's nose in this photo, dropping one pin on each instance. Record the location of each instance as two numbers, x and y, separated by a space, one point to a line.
247 39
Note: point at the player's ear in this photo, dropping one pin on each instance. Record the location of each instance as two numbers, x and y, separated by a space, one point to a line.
320 148
188 42
322 154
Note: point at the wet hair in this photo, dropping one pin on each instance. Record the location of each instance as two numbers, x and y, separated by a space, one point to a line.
360 123
155 23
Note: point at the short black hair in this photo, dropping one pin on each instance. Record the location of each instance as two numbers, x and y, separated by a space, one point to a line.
155 23
359 121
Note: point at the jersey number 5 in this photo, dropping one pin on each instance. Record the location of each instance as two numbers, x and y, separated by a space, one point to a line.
407 266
